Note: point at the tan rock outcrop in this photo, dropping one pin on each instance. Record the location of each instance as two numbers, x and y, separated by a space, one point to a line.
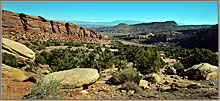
203 71
17 49
14 73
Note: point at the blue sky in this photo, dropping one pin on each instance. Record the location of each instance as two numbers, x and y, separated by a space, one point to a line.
181 12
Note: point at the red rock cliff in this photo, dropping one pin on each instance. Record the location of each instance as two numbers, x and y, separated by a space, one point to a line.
38 24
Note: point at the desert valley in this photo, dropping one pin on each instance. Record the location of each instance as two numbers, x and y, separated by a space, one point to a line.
47 59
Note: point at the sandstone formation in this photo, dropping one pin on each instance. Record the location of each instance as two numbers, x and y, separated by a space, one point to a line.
37 24
17 49
202 71
14 73
74 77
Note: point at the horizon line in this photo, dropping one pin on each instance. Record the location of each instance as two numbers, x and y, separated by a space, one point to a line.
178 23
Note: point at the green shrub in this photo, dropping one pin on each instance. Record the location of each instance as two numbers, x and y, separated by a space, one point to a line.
40 47
64 64
32 67
9 59
77 44
69 43
33 47
190 57
91 62
106 58
146 61
40 59
35 43
128 74
103 61
69 46
91 45
45 91
27 44
48 43
197 56
58 59
57 43
120 64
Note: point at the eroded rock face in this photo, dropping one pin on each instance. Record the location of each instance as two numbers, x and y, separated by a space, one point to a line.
35 23
38 24
203 71
73 78
17 49
11 20
14 73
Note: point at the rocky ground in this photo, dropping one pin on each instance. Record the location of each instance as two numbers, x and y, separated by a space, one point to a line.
167 87
163 86
15 90
201 90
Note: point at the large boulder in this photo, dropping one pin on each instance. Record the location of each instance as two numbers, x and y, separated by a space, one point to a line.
203 71
17 49
74 77
14 73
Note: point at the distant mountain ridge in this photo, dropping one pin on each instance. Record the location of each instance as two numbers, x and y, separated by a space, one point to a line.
151 23
91 24
102 24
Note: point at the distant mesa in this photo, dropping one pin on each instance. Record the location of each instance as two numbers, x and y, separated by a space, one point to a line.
173 23
122 25
148 27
